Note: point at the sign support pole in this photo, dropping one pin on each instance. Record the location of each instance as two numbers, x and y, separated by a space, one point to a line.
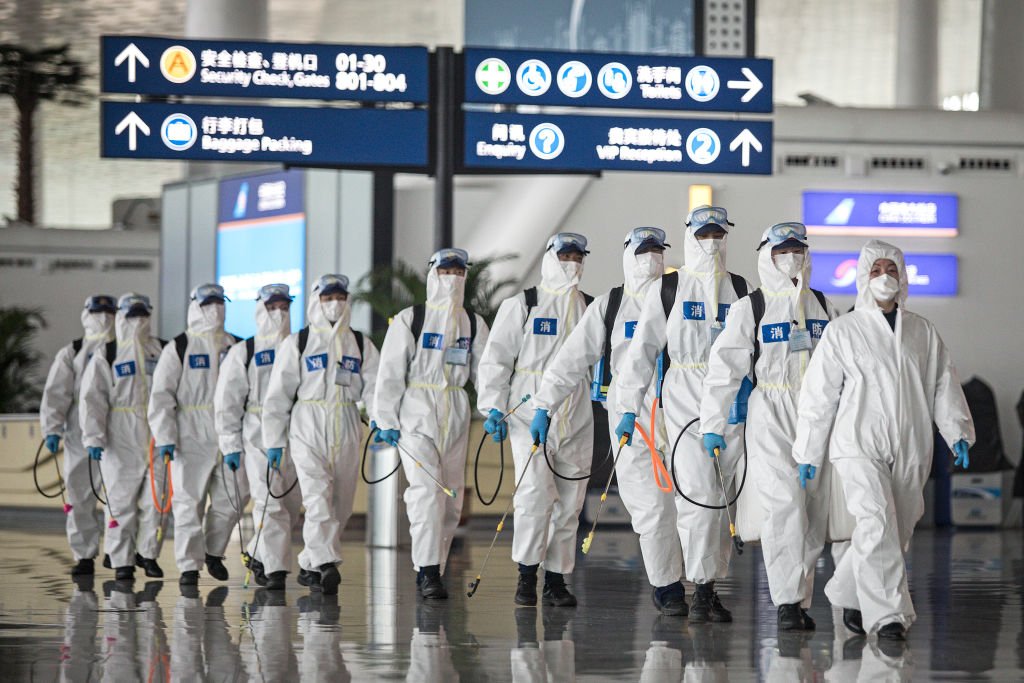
444 113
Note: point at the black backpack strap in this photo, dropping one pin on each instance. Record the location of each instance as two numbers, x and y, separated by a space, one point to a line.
76 345
614 302
163 342
587 299
111 352
739 283
820 296
472 327
250 350
359 341
180 344
669 283
235 337
419 312
530 295
303 340
757 306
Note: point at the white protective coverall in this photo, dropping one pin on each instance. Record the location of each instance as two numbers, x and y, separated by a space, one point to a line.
520 347
703 297
422 395
878 391
238 403
58 414
113 414
793 521
651 511
181 413
318 420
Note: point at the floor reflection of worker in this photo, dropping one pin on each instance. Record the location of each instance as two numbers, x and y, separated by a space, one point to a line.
790 659
664 658
120 643
321 658
710 653
856 660
78 652
430 655
202 647
554 658
153 653
269 624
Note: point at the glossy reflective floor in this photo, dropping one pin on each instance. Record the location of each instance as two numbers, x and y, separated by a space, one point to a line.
967 588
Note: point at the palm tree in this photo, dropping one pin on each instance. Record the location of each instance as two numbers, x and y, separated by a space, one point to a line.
18 359
31 77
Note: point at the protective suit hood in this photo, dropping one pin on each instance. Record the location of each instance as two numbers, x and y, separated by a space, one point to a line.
872 251
440 295
197 322
317 319
97 325
773 279
132 329
636 277
266 329
553 276
697 260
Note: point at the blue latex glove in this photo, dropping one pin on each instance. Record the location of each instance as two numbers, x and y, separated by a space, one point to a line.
166 452
52 443
495 426
713 441
807 473
274 456
233 460
738 410
960 448
390 436
626 426
95 453
539 426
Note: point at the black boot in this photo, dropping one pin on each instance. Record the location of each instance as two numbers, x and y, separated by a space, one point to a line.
707 607
432 587
853 620
275 580
555 592
892 631
85 567
190 578
309 579
217 596
792 617
526 627
526 589
106 561
330 579
215 565
149 566
259 574
124 573
671 600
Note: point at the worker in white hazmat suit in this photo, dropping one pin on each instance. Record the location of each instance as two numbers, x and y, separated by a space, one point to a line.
58 417
431 350
612 318
319 376
687 312
181 418
114 398
771 335
528 331
877 381
238 402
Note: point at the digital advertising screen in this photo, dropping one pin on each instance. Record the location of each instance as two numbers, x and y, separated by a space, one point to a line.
835 272
261 239
881 214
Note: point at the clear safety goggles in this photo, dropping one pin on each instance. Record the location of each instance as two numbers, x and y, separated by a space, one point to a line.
781 233
209 293
275 292
449 258
708 217
101 303
639 238
331 284
568 241
134 305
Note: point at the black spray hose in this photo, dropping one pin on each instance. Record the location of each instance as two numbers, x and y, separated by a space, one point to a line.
35 475
476 470
270 490
92 485
362 465
672 469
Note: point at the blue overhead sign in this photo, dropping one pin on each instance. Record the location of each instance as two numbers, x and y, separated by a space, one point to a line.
927 274
872 214
289 135
613 143
579 79
228 68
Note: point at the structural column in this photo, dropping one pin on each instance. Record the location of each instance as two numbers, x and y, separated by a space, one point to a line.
1001 84
917 53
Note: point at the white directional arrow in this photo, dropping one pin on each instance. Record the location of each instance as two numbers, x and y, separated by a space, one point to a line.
133 54
752 85
134 123
748 140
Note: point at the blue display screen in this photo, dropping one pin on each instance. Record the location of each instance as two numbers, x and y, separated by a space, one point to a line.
873 214
928 274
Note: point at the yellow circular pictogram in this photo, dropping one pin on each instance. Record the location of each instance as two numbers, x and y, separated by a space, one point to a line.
178 64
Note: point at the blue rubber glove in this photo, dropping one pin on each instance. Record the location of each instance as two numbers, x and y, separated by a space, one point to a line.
274 456
713 441
626 426
960 448
390 436
738 410
807 473
233 460
52 443
539 426
495 426
166 452
95 453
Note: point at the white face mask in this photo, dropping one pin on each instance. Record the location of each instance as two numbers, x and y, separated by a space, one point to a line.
333 310
213 314
278 317
137 326
790 265
711 246
650 264
451 284
573 271
884 287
